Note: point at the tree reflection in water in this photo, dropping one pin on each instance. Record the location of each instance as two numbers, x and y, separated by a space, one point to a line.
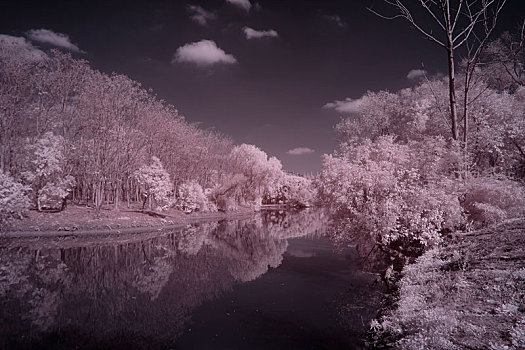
133 292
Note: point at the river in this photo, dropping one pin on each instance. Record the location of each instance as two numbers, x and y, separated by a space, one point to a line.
272 281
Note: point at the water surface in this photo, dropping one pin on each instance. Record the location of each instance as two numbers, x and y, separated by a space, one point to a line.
271 281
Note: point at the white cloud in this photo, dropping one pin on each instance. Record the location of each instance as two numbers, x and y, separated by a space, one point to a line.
244 4
347 106
257 34
47 36
20 47
200 15
299 151
415 74
202 53
337 20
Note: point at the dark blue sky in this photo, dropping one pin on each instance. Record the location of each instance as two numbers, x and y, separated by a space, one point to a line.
273 94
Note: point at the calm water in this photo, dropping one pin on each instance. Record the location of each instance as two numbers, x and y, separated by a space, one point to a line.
269 282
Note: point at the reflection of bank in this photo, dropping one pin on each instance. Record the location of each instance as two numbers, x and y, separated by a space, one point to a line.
97 293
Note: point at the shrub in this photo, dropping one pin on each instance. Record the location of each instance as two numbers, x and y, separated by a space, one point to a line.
156 184
45 172
191 197
489 200
14 201
382 189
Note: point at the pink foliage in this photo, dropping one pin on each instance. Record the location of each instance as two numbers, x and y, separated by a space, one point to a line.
489 200
387 190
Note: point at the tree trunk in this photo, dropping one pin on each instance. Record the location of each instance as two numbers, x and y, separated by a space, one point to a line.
452 93
117 194
465 115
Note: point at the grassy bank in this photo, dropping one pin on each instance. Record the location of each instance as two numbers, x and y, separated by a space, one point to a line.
467 294
82 219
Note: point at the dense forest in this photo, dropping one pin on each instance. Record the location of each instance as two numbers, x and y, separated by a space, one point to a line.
70 132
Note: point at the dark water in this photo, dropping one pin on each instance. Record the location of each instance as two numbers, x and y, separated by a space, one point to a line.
269 282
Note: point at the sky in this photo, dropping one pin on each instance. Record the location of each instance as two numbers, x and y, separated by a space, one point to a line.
279 74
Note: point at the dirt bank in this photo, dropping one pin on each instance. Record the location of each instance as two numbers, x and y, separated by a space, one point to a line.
82 220
468 294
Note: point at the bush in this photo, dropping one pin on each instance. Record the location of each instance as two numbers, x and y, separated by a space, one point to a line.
489 200
382 189
14 201
156 184
191 198
45 172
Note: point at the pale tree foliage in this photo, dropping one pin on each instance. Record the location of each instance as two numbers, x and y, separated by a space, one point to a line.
156 184
503 61
399 179
14 201
45 172
191 198
296 191
489 200
254 174
386 190
111 124
410 114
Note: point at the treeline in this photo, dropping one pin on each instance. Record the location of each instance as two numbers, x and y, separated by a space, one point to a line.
400 182
71 132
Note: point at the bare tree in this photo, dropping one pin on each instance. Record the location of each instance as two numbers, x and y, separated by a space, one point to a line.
459 22
504 61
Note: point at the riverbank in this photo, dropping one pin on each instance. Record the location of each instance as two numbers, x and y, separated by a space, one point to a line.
467 294
83 220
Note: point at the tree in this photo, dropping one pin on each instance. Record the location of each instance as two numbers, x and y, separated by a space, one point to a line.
14 201
109 127
46 172
191 197
468 23
18 64
260 172
503 61
156 184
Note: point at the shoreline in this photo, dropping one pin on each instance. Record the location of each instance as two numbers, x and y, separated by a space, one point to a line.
81 221
471 284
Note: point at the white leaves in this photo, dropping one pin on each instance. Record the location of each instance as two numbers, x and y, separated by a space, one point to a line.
256 173
48 155
191 198
45 171
380 186
156 183
14 201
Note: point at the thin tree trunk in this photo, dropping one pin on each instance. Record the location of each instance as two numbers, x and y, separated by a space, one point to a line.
452 95
465 117
451 73
117 194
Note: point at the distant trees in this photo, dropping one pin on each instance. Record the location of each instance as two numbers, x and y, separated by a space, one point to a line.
67 130
254 174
